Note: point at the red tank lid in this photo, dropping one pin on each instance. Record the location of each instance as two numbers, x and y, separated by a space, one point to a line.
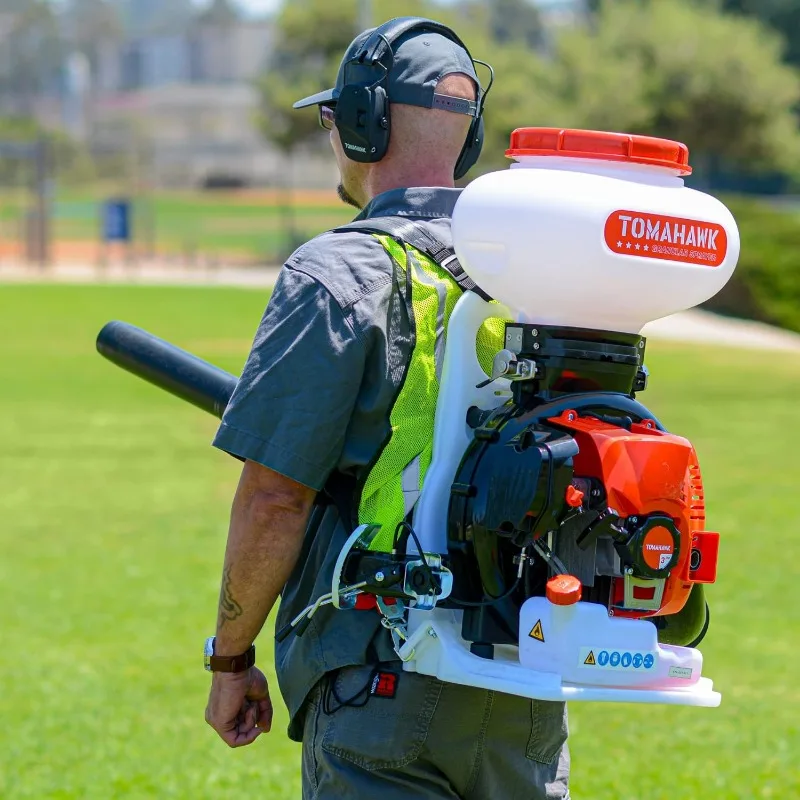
600 145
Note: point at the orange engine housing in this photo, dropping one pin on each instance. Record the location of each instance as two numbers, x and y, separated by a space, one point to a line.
646 471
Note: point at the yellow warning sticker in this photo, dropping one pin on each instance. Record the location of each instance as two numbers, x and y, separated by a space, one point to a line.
590 661
537 632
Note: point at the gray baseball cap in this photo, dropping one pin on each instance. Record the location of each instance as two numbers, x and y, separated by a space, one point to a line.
421 59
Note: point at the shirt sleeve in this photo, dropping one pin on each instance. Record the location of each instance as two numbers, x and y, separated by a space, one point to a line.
291 408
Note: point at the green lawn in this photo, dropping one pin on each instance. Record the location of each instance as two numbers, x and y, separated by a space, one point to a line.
113 517
227 225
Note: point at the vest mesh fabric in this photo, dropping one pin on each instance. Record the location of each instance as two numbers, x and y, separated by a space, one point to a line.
396 478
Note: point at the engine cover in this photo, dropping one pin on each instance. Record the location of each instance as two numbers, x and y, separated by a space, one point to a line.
587 483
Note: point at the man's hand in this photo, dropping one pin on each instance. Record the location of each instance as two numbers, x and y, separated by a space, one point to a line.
239 708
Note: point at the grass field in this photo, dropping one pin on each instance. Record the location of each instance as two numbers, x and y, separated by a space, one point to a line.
248 226
113 515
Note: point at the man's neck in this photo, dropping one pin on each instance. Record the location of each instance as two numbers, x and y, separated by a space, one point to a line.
380 181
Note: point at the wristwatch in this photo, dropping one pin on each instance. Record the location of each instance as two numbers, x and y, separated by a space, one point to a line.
238 663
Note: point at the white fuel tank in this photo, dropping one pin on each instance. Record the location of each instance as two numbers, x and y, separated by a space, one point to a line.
594 230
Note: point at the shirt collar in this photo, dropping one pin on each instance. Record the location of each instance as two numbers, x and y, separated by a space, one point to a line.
426 202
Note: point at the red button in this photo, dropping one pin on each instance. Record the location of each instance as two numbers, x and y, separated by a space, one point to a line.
574 496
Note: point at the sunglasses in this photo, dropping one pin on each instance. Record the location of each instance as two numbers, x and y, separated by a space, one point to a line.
327 116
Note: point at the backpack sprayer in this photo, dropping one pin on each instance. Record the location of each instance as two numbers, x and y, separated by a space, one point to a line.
560 528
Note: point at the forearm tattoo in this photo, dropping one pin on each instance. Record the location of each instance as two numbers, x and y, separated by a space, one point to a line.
229 609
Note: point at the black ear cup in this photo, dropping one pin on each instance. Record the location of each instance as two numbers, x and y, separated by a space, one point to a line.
362 120
471 150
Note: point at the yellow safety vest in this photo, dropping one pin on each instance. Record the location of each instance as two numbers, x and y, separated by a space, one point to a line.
395 480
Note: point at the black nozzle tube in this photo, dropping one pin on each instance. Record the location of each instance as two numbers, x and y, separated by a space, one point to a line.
167 366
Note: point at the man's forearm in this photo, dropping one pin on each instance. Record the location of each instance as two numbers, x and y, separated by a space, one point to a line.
268 521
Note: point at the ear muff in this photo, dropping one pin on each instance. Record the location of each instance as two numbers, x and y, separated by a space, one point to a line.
362 121
472 148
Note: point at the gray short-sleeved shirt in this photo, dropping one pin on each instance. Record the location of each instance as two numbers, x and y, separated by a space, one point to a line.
314 396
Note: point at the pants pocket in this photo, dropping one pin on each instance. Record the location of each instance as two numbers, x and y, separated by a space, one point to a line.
549 731
386 732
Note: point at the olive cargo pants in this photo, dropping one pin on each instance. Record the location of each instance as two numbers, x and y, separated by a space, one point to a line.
379 733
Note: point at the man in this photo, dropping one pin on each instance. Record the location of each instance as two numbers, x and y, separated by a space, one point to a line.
330 364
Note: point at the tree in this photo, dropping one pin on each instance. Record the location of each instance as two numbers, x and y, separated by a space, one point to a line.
781 15
670 68
515 21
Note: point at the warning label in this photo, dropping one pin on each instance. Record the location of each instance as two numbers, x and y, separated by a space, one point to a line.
537 632
664 559
590 660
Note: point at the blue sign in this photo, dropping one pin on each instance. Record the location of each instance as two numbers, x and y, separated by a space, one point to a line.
637 660
602 658
627 658
117 221
615 659
648 661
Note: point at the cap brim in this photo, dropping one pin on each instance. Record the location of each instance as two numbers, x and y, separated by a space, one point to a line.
317 99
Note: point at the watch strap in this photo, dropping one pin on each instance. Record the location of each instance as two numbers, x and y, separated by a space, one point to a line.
238 663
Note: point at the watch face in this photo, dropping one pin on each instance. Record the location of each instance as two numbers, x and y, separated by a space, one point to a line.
208 651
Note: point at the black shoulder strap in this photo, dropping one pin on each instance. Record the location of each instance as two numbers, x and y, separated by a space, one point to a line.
415 234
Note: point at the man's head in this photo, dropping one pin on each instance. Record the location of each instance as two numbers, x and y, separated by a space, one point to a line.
405 110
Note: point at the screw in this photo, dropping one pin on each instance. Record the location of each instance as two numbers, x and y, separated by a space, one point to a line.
628 570
570 417
432 633
536 345
634 520
534 332
641 345
610 612
379 577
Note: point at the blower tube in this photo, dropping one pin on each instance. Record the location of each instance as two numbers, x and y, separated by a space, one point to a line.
167 366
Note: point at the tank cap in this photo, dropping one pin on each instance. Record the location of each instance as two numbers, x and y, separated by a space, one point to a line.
600 145
563 590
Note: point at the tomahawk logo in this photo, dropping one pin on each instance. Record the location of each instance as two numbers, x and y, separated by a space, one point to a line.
645 235
659 230
355 147
667 548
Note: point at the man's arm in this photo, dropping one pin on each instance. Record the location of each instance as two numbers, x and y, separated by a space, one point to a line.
287 419
268 521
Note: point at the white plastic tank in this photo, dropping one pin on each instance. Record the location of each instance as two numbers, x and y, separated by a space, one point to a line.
594 230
